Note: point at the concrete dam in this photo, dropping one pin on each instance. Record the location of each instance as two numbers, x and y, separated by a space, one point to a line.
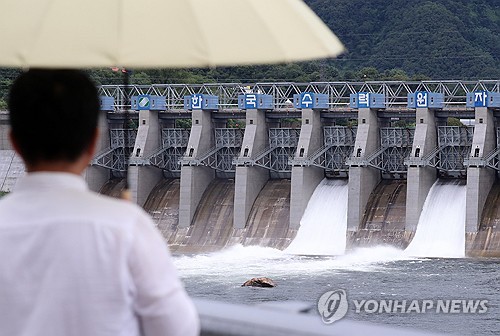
223 164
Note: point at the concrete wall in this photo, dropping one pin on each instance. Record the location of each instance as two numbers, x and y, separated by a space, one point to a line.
142 179
362 180
4 131
11 165
479 179
305 179
96 176
420 179
195 179
249 181
11 169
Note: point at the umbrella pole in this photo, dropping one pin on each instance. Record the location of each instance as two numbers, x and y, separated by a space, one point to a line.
126 194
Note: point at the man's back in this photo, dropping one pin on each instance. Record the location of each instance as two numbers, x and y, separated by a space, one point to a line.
76 263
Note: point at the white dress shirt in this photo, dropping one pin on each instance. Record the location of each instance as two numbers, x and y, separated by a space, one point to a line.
73 262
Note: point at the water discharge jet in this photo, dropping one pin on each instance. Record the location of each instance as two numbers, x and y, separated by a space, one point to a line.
441 228
324 223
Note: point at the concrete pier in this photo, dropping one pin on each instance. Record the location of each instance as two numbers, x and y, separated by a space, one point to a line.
305 179
480 179
195 179
142 177
362 179
249 181
97 176
420 178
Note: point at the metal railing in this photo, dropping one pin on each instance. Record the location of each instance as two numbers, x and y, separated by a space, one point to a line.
454 92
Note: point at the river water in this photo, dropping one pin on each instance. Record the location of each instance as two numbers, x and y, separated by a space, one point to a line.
424 271
379 273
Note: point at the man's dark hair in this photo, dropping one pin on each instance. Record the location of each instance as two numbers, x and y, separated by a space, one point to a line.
53 114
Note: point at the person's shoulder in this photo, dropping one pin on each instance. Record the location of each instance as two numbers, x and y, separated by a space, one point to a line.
5 200
126 217
9 200
114 209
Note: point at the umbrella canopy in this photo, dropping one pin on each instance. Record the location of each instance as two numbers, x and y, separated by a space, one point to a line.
160 33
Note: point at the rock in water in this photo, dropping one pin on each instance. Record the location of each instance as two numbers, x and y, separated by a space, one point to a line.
259 282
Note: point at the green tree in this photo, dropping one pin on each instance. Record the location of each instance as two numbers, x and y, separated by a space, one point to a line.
454 122
368 74
235 123
141 78
395 75
183 123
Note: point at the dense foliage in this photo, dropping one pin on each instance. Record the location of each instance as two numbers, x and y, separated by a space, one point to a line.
439 39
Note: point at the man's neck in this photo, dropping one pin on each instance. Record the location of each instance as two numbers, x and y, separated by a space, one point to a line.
74 167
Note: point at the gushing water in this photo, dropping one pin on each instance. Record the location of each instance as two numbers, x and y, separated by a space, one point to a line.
244 262
441 228
324 223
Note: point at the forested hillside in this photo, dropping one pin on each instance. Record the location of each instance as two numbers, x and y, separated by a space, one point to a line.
386 39
440 39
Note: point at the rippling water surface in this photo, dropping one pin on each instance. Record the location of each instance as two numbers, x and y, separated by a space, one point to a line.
380 273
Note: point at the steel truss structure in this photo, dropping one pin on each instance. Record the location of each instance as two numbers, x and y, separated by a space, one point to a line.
396 144
454 147
227 147
491 160
114 157
456 142
395 92
332 156
174 143
278 155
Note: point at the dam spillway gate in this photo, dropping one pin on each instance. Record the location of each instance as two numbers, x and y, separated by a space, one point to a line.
454 147
277 155
122 143
396 144
492 159
338 145
220 157
174 144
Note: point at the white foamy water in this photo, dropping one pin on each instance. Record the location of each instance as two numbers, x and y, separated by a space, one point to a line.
242 262
441 228
324 223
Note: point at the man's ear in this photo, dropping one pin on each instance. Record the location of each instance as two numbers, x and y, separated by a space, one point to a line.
93 143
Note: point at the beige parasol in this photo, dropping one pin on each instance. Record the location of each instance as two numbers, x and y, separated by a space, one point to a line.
160 33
